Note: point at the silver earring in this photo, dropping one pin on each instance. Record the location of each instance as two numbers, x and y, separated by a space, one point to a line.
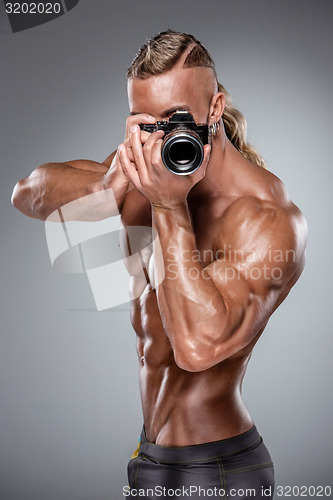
214 128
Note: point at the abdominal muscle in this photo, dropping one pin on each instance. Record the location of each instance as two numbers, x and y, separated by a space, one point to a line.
182 408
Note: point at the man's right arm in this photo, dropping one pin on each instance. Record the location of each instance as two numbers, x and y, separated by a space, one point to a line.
53 185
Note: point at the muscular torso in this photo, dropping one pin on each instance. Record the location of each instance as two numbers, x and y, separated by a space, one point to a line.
180 408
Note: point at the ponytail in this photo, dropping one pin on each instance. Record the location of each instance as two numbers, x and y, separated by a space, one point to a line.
235 128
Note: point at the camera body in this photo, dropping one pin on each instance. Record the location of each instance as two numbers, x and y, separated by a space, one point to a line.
183 145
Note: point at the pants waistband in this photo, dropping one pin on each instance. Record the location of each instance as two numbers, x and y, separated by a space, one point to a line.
199 452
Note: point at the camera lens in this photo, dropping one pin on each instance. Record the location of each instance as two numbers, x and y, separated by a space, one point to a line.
182 151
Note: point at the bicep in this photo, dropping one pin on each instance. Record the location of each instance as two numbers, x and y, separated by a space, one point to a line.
246 312
91 166
255 270
236 293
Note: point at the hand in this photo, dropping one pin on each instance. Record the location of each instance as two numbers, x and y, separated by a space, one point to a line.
142 164
132 121
115 167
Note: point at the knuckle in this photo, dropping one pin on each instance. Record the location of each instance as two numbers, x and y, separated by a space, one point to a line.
148 147
128 122
127 144
144 136
156 161
145 182
137 156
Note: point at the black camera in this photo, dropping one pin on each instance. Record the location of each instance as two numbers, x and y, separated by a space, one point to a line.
183 145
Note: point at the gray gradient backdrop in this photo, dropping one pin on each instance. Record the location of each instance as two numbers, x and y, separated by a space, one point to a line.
70 407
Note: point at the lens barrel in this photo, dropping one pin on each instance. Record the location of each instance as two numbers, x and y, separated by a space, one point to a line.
182 151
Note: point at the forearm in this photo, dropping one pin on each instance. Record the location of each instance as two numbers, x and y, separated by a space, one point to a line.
192 309
54 185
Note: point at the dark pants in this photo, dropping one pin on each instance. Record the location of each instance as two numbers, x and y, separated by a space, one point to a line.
235 468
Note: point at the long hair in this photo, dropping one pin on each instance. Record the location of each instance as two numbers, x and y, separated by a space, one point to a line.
162 52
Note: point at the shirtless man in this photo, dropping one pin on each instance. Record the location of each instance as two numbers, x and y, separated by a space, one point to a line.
197 329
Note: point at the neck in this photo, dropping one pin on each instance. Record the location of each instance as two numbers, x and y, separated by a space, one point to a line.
218 179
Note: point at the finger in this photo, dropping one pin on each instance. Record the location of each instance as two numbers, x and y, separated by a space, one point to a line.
149 145
137 120
127 144
200 173
144 136
128 167
138 152
156 159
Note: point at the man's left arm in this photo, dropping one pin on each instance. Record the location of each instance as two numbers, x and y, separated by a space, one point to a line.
211 312
208 315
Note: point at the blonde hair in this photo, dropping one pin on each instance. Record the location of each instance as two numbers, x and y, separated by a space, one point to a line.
162 52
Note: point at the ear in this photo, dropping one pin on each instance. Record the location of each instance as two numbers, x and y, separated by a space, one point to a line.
216 109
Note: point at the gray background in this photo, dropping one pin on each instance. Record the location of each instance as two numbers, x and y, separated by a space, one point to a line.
70 408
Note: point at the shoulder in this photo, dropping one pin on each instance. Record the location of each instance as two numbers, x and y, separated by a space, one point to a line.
263 232
251 209
255 212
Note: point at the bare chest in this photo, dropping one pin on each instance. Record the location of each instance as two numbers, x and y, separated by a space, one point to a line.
138 246
138 234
